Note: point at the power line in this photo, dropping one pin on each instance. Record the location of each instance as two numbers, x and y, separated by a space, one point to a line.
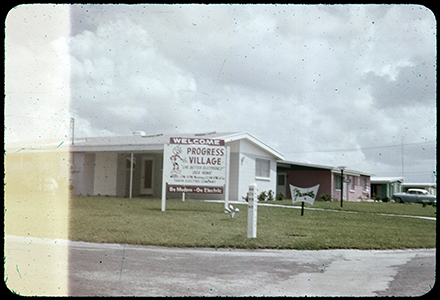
365 148
33 117
394 173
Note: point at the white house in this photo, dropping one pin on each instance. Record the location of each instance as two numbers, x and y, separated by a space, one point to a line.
102 165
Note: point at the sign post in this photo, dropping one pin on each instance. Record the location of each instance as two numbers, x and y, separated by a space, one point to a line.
303 195
252 211
228 157
194 165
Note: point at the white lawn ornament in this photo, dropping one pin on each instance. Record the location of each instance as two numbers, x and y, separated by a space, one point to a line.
231 210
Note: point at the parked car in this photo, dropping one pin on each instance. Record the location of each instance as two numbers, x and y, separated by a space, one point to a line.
415 196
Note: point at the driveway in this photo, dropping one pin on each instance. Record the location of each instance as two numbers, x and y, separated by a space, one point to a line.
77 268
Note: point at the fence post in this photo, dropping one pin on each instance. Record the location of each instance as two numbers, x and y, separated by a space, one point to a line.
252 211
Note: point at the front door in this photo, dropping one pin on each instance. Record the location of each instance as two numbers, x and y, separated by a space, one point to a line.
147 176
281 183
345 190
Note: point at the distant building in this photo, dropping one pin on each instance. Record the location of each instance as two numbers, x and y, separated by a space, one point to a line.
356 184
386 186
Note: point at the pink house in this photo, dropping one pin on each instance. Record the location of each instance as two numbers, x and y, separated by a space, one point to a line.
356 184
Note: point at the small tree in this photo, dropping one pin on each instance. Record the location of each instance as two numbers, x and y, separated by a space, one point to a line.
246 198
262 196
270 196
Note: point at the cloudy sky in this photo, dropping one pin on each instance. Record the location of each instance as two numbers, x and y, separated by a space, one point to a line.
332 85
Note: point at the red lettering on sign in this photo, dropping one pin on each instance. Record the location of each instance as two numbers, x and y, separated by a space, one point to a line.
195 189
197 141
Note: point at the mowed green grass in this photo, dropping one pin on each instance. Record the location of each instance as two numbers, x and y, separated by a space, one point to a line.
368 207
202 224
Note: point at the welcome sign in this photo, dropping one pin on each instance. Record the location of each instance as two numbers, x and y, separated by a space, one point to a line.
195 165
304 194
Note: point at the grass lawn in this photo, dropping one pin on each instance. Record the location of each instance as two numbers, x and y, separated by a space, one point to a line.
202 224
368 207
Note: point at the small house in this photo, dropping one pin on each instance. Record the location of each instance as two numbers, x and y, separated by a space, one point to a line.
356 183
385 187
121 166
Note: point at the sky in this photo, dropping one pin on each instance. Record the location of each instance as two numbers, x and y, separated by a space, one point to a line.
334 85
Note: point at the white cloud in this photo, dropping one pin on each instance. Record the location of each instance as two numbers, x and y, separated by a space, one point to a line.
302 78
37 81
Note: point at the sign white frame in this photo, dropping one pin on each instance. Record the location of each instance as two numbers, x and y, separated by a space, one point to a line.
195 165
303 194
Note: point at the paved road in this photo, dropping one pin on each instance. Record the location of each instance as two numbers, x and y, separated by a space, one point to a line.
114 270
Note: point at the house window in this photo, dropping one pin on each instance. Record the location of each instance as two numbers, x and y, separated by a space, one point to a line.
262 168
397 187
352 178
128 163
281 179
337 182
364 183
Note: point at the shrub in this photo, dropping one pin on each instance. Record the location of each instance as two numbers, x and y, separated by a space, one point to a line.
270 196
262 196
326 197
364 198
386 199
375 197
280 196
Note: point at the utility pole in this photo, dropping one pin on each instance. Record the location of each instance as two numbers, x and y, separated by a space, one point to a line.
72 125
403 173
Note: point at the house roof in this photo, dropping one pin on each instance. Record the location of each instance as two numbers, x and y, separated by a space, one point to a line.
379 180
138 141
142 142
230 137
297 166
408 184
301 166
